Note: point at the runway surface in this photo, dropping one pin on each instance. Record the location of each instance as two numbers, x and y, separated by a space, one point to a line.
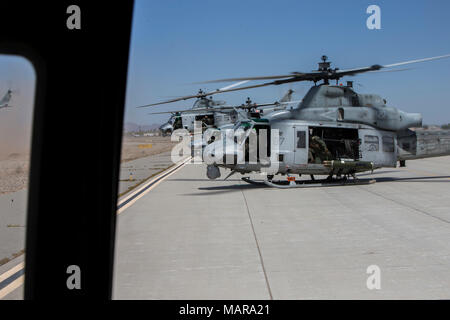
13 219
134 172
192 238
186 237
12 223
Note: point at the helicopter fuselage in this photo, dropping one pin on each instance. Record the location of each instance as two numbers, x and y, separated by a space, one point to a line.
351 148
334 131
209 119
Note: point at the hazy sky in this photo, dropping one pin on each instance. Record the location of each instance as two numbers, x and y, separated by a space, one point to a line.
18 74
176 43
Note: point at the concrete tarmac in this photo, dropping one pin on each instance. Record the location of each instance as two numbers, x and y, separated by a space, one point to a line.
13 213
134 172
192 238
13 208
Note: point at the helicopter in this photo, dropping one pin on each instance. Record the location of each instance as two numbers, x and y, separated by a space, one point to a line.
214 114
202 110
4 102
185 119
334 131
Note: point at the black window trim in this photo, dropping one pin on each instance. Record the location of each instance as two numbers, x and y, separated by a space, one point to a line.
81 78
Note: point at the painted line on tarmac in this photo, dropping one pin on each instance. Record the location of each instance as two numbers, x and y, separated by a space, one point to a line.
14 277
11 279
136 195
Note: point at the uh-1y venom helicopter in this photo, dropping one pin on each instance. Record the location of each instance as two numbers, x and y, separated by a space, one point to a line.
214 114
4 102
334 131
202 110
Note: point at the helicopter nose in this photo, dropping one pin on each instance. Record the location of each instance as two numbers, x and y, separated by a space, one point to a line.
230 158
212 153
215 153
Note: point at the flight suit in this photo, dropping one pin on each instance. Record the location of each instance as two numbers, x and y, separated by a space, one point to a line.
318 150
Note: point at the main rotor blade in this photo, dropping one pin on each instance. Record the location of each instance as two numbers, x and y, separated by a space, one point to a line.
290 102
248 78
377 67
222 108
331 74
207 94
171 100
198 110
234 85
277 103
165 112
416 61
241 88
217 109
392 70
195 96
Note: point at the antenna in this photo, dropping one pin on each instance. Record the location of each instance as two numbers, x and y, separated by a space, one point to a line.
324 65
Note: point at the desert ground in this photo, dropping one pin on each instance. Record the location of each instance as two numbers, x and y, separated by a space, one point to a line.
14 172
138 147
14 166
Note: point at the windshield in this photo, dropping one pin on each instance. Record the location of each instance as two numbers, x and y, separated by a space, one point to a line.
241 130
244 125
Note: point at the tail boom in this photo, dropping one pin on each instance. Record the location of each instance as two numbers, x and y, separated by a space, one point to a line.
421 144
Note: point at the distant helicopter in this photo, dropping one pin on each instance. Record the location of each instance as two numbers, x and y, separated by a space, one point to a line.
334 131
201 107
214 114
4 102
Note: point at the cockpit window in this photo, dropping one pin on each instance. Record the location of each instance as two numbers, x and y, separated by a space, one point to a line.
240 131
244 125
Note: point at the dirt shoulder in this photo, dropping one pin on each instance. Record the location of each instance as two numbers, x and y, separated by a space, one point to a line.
14 167
138 147
14 172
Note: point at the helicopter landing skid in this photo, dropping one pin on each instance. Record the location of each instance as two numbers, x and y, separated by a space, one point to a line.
283 184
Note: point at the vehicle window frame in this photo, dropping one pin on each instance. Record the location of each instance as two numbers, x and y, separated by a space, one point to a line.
371 143
388 146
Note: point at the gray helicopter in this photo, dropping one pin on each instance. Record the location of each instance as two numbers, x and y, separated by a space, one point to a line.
334 131
200 111
214 114
4 102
